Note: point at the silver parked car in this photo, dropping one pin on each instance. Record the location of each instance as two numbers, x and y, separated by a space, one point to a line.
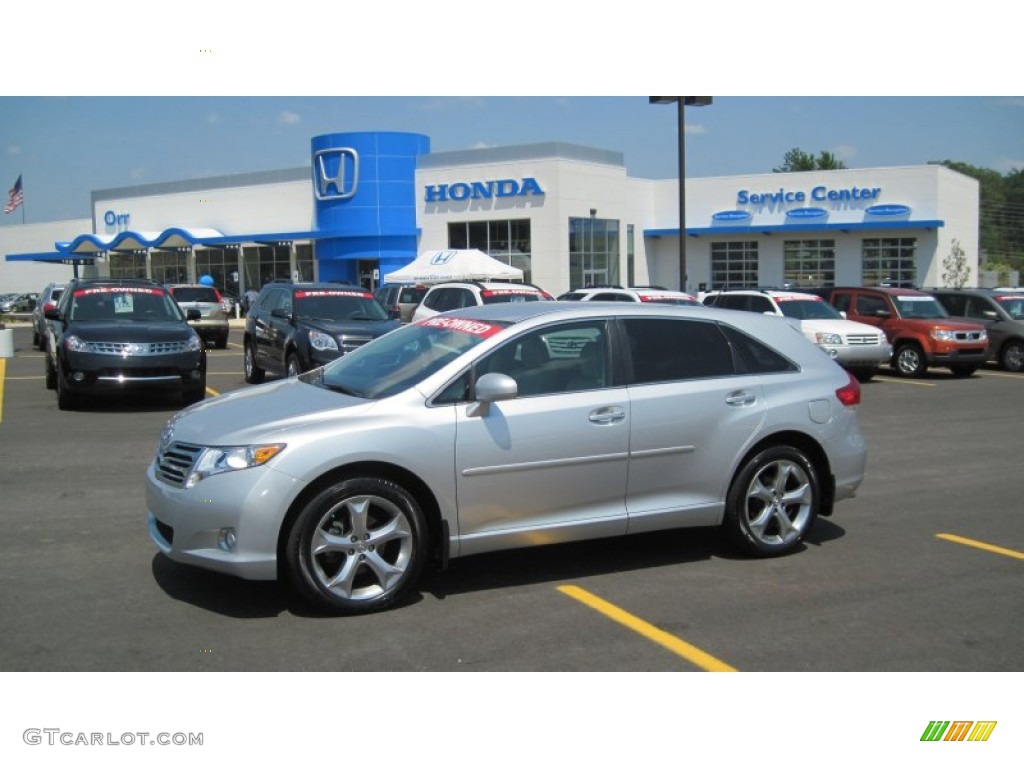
503 426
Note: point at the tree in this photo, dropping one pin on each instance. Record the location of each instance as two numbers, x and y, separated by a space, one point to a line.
955 271
797 160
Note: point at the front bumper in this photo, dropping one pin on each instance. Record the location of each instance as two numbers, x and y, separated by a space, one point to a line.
189 524
859 356
89 372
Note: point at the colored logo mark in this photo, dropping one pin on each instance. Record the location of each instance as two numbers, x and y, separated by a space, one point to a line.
958 730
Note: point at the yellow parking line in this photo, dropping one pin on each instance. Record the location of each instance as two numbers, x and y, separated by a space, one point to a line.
980 545
212 391
681 648
887 380
997 375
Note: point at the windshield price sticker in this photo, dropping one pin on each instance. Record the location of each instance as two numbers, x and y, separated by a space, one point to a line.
309 294
808 297
116 289
471 327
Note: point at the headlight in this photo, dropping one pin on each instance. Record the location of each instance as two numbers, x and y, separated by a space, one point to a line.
194 343
322 341
940 335
214 461
828 338
74 344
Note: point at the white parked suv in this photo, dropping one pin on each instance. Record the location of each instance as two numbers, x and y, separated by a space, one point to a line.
858 347
637 295
444 297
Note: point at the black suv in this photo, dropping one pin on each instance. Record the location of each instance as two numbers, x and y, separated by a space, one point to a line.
295 327
110 335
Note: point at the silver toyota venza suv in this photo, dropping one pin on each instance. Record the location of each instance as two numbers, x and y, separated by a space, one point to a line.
506 426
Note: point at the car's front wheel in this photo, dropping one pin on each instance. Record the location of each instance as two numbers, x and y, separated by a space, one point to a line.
773 501
66 399
909 361
253 373
357 546
294 368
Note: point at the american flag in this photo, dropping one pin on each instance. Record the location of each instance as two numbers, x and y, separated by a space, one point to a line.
17 197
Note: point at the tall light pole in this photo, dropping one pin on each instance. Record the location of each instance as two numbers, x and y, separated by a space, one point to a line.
687 101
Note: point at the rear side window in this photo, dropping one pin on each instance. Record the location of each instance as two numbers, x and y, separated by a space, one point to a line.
755 357
672 350
411 295
870 306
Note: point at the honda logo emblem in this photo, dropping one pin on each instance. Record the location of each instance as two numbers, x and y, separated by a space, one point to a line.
442 257
335 173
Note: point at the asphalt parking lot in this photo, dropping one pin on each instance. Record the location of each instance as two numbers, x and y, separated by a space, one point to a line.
923 571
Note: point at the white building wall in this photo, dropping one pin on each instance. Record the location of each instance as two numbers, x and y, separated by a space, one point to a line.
32 276
275 207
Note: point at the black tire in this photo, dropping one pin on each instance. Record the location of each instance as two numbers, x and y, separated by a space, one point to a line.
51 374
773 502
1011 356
253 373
222 342
864 375
908 360
194 394
963 371
371 542
292 366
66 399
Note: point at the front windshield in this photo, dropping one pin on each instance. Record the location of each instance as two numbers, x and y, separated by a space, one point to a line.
340 305
405 357
123 304
919 307
808 309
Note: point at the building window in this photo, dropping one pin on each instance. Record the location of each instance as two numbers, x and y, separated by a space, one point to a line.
170 266
889 261
264 263
593 252
128 264
304 262
221 265
734 265
508 241
810 263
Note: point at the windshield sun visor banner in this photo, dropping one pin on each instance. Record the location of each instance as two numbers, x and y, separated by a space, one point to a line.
462 325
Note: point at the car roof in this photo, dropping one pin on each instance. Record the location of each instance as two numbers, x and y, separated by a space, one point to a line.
522 311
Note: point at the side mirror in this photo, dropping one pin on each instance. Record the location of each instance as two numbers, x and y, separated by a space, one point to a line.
842 315
883 313
51 313
281 313
492 388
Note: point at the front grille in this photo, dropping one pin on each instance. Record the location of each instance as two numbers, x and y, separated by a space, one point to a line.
137 349
174 462
968 336
862 339
349 342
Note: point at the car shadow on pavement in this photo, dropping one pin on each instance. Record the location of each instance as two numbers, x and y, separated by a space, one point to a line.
238 598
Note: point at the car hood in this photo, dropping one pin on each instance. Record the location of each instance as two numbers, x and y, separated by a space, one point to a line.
262 413
353 327
129 330
844 327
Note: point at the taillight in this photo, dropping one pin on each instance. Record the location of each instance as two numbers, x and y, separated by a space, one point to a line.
850 394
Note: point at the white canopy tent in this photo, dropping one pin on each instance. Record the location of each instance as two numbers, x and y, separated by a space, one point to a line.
439 266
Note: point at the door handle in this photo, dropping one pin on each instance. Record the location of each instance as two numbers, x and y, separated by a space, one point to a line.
740 398
609 415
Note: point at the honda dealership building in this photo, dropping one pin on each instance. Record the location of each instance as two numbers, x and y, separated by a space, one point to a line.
568 215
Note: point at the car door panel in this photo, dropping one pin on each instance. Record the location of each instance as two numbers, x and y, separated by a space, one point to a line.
542 469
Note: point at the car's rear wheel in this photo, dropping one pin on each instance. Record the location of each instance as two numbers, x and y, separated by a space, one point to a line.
1011 357
253 373
357 546
773 501
222 341
909 361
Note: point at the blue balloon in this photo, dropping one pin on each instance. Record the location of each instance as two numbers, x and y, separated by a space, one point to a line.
206 280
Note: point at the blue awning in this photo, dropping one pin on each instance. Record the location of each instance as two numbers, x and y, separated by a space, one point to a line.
767 229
